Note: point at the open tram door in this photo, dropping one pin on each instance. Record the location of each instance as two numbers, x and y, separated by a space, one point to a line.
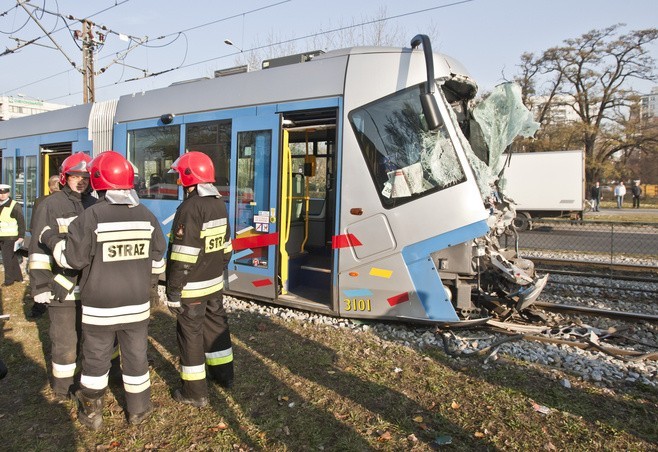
282 208
51 157
253 205
307 270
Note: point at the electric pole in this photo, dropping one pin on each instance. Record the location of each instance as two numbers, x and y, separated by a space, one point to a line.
92 37
88 91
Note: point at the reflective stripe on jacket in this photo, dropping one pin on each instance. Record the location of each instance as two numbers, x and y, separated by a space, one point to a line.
8 224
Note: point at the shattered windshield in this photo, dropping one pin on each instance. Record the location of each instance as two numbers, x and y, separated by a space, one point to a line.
405 159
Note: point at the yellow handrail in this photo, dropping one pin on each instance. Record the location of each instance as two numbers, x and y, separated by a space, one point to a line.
286 210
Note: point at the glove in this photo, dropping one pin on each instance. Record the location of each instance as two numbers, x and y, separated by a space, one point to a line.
43 297
62 287
173 302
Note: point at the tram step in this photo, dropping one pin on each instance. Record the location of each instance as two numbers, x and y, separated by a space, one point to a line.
315 269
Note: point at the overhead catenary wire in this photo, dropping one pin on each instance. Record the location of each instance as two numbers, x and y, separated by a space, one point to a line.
148 74
137 41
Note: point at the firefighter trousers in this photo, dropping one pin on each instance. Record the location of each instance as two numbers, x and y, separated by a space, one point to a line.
64 345
13 271
98 345
204 338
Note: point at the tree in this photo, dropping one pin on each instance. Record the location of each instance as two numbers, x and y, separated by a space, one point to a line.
374 30
591 75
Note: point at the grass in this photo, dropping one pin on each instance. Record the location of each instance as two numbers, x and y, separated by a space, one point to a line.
609 212
301 386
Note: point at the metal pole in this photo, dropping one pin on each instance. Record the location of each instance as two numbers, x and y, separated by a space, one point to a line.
612 248
87 62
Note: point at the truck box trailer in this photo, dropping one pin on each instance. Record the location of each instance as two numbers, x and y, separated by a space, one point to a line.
545 184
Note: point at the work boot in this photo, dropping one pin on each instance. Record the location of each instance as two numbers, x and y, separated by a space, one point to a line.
138 418
224 383
90 412
222 375
62 396
199 403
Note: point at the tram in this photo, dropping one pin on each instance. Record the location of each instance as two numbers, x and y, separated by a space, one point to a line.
345 174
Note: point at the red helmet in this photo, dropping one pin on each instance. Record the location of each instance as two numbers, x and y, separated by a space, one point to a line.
194 168
74 163
111 171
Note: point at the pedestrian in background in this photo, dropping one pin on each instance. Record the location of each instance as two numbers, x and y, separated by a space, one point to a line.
620 192
53 285
595 197
199 250
637 192
38 309
118 245
12 232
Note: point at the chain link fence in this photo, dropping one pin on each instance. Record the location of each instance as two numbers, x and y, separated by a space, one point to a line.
605 242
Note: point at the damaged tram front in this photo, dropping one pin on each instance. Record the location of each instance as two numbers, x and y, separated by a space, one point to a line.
437 168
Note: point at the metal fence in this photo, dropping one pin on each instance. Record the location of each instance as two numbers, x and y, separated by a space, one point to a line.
606 242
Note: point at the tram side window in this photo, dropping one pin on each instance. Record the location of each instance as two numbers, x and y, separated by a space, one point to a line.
152 151
214 139
406 160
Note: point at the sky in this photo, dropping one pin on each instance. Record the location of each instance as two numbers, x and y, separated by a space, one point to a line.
487 36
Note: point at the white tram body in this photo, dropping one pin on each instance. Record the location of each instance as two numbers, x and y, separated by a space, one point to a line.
344 197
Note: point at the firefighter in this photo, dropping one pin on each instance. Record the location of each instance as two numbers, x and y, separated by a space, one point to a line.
12 232
118 245
199 251
38 309
54 286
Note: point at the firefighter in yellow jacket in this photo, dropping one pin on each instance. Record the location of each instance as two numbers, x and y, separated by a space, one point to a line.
12 231
199 251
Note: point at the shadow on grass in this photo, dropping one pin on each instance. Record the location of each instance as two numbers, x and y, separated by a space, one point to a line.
29 421
291 394
356 403
633 411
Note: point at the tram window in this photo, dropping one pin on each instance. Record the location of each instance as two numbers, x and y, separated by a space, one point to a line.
317 183
8 170
406 160
30 185
152 151
214 139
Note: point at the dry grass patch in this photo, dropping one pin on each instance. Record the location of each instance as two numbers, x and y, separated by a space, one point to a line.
302 386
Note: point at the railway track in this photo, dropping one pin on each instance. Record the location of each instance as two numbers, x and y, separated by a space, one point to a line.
611 314
631 272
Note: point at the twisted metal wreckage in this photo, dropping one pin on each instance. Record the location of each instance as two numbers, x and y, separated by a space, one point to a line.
506 282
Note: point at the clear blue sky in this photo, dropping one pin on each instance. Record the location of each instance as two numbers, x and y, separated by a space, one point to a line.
487 36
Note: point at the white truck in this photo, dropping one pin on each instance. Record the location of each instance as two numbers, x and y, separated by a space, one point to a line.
545 184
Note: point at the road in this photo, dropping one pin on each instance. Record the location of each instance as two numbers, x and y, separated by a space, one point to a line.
590 236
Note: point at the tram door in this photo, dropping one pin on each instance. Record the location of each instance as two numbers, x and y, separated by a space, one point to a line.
51 160
253 205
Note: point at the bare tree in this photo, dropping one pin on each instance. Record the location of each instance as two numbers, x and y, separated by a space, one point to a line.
592 74
374 30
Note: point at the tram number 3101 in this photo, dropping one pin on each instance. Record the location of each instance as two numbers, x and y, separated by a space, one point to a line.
354 304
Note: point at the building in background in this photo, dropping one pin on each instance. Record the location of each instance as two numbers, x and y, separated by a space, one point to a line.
18 106
561 111
649 105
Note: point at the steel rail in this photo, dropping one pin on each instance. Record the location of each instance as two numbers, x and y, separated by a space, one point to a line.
636 316
631 355
631 268
586 274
